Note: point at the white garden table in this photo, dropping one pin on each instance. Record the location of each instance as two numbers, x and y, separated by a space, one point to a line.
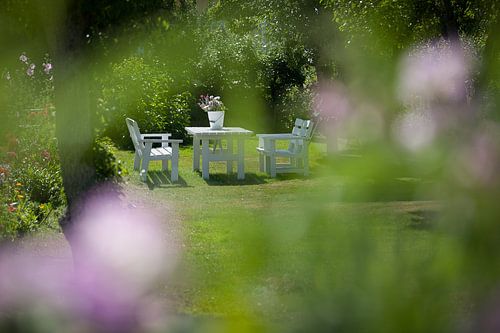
201 140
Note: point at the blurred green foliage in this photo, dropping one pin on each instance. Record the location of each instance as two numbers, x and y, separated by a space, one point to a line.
146 93
320 257
261 60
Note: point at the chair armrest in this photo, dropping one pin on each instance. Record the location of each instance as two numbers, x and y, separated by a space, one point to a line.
265 139
143 136
148 144
161 141
164 136
277 136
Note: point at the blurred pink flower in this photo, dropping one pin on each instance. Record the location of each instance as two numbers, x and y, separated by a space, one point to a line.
120 257
434 71
415 129
331 100
478 163
340 116
331 108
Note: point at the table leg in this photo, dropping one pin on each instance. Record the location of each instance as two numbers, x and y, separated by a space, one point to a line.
241 158
230 155
196 153
262 154
204 157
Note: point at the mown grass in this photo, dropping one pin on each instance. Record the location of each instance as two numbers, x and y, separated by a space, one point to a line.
259 247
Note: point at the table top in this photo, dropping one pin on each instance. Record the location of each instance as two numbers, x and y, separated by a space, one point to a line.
221 132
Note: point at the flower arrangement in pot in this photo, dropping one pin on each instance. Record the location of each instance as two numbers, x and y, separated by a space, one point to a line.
214 108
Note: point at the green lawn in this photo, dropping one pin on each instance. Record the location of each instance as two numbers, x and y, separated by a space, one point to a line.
273 248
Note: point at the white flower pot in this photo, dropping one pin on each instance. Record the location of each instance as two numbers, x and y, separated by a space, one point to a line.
216 119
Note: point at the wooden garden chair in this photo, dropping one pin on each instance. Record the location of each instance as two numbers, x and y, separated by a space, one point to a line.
296 156
144 151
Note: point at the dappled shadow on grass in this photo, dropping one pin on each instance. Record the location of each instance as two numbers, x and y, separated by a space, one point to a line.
222 179
290 176
162 179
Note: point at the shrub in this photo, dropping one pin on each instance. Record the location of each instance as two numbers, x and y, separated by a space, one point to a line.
31 185
295 103
144 92
108 167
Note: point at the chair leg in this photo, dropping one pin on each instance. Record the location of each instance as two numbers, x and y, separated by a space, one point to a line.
267 164
144 169
261 162
305 162
164 164
137 161
143 175
175 166
272 163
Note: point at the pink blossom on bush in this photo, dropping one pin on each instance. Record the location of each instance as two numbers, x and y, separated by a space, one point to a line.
45 154
47 67
23 58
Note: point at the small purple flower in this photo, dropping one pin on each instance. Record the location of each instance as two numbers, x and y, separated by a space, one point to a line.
47 67
7 76
30 71
23 58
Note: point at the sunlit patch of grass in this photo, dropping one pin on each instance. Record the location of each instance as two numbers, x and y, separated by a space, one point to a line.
258 247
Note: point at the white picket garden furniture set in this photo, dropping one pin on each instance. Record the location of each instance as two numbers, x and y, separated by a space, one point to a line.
228 145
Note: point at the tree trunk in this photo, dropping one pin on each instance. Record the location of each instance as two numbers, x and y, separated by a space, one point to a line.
449 23
323 38
73 116
490 72
449 30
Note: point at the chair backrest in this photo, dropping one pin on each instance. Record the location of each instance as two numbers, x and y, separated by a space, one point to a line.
307 129
135 134
297 128
303 130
